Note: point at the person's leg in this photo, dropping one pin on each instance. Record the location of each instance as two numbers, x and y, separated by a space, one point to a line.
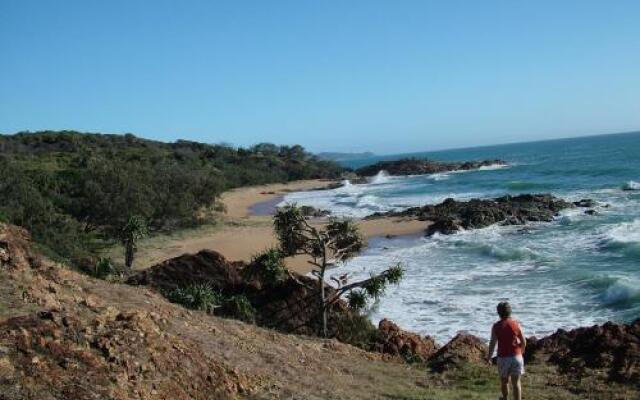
504 386
517 388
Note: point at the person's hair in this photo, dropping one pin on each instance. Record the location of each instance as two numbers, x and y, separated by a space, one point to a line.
504 310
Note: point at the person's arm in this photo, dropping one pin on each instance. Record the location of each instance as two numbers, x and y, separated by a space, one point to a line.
523 340
492 345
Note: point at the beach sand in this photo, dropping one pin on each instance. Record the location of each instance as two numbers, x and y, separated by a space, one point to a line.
242 234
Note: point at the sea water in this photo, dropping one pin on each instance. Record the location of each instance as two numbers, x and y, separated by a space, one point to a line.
577 270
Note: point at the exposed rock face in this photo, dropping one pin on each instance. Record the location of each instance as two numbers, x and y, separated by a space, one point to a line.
463 348
395 341
451 216
290 305
414 166
205 266
614 348
15 248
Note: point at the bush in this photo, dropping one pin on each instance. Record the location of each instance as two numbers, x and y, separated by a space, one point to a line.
239 307
355 329
104 268
199 296
269 266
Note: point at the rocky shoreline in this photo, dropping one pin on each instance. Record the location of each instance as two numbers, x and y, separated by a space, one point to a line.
415 166
451 215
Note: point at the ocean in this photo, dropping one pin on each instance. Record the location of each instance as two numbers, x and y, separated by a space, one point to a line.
578 270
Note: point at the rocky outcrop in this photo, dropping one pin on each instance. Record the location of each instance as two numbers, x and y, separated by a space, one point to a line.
15 248
309 211
392 340
205 266
463 348
289 305
415 166
613 348
451 215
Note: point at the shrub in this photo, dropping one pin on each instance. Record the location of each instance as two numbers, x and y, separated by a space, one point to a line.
239 307
199 296
104 268
269 265
355 329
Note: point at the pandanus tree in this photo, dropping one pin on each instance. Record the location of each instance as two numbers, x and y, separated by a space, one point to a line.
328 245
134 230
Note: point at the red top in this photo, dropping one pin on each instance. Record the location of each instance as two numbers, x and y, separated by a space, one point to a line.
509 335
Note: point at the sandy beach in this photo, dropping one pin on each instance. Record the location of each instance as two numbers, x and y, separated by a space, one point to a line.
242 234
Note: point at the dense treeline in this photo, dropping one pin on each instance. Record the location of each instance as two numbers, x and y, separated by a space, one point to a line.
75 191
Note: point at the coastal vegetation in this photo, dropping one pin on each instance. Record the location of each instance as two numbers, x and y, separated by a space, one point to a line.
338 241
75 192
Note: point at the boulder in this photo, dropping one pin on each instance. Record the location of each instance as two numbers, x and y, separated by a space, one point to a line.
391 339
463 348
614 348
313 212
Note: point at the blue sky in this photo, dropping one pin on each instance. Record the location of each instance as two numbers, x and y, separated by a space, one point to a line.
385 76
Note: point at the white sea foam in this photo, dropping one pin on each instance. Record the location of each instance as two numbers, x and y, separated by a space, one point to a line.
493 167
381 177
631 185
441 176
621 290
453 282
625 232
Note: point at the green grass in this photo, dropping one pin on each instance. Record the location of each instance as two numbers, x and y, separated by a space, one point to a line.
475 382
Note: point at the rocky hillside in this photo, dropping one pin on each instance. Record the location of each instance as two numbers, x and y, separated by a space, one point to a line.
64 335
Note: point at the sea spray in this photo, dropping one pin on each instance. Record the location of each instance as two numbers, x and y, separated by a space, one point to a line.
631 185
380 178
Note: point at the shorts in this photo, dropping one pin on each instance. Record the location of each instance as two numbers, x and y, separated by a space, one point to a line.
510 366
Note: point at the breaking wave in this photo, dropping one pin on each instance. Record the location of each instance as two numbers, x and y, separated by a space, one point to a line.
631 185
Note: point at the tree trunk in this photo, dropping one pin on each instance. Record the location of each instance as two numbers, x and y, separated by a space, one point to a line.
323 298
128 257
325 332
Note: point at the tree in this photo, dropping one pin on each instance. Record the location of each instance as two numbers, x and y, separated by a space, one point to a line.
336 242
134 230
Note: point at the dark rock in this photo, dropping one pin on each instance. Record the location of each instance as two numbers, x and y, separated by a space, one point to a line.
462 349
415 166
445 226
410 346
586 203
205 266
614 348
451 216
591 212
309 211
